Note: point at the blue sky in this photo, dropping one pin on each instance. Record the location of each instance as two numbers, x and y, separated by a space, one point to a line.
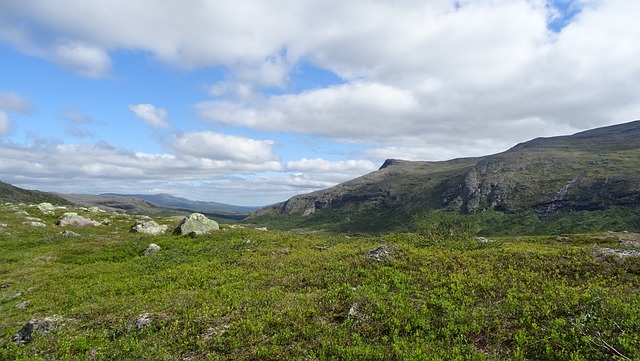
250 103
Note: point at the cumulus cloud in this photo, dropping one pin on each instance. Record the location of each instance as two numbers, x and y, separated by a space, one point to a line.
345 111
320 165
156 117
420 80
87 60
216 146
99 168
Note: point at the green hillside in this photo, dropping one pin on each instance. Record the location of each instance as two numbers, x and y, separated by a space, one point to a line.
243 294
591 177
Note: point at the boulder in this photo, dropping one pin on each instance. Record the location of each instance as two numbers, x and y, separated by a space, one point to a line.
46 208
73 219
148 227
152 249
196 224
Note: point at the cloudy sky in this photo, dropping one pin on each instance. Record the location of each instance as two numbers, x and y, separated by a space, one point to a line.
250 102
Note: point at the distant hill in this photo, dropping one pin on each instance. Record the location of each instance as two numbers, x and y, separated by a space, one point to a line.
167 207
583 182
168 200
13 194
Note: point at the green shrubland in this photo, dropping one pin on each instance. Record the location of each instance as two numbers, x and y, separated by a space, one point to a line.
243 294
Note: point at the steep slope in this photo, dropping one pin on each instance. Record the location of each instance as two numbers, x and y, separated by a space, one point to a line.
13 194
589 171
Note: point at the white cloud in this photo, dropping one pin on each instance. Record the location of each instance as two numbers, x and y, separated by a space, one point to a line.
346 111
156 117
215 146
421 80
320 165
4 123
99 168
14 102
87 60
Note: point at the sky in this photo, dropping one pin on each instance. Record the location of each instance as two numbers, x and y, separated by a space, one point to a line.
250 102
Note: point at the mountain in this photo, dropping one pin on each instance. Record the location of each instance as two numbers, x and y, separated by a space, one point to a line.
591 178
168 200
13 194
158 205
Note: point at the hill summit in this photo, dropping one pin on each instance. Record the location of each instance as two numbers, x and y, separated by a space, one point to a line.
544 180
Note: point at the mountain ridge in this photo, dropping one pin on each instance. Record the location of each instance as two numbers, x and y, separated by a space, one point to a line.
589 171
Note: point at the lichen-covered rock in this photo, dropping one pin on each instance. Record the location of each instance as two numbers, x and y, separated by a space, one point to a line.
196 224
73 219
46 208
152 249
148 227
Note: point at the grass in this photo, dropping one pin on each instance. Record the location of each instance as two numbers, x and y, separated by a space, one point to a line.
246 294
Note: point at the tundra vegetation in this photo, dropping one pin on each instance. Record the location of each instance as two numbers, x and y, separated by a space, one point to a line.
91 293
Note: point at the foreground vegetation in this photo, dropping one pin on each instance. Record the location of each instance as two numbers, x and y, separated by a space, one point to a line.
241 293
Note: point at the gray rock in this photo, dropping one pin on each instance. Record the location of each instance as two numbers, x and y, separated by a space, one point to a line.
69 233
381 253
196 224
483 240
94 209
35 219
22 305
148 227
73 219
152 249
25 334
617 252
625 243
34 224
45 325
46 208
144 320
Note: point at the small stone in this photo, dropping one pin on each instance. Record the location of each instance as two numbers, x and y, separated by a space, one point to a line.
144 320
34 224
152 249
68 233
23 305
381 253
25 334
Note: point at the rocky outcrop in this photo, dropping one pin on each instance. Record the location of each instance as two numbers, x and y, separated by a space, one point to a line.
196 224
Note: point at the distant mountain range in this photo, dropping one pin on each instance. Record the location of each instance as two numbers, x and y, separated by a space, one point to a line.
152 205
168 200
584 182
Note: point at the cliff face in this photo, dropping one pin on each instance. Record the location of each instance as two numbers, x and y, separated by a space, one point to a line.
592 170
